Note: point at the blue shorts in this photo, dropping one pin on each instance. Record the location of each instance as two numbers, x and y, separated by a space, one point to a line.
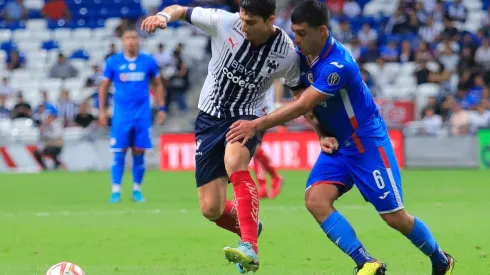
135 134
375 173
210 146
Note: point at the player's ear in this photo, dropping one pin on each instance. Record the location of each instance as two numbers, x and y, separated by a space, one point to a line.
271 19
323 30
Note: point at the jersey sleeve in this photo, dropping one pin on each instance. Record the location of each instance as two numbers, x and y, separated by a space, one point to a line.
208 20
154 70
109 71
293 74
331 78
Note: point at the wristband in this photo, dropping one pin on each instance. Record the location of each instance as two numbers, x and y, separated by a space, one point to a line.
165 15
162 109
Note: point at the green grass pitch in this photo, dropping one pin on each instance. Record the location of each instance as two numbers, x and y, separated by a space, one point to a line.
53 217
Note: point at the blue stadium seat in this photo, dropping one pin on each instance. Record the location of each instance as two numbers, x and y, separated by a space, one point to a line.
80 54
50 45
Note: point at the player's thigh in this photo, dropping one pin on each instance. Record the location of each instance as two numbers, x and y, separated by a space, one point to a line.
141 135
210 150
212 197
377 175
120 135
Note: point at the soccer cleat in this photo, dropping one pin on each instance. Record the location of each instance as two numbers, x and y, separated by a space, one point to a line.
263 193
115 198
138 196
239 267
448 270
371 268
243 255
277 184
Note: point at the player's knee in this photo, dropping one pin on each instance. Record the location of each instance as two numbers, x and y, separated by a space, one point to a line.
137 152
236 161
320 207
211 212
119 157
399 220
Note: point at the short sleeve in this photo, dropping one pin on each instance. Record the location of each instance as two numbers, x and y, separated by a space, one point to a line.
331 78
293 74
208 20
154 69
109 72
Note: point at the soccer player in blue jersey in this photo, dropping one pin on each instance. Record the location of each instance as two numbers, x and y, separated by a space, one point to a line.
132 72
344 108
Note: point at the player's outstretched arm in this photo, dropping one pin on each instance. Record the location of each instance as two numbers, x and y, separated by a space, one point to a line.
167 15
244 130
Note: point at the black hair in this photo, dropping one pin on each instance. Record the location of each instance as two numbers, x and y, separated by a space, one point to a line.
312 12
262 8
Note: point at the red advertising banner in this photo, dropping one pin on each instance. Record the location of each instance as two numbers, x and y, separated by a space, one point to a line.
396 112
289 151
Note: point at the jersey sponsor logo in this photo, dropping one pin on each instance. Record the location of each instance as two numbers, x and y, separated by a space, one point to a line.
336 64
232 43
132 77
333 79
238 80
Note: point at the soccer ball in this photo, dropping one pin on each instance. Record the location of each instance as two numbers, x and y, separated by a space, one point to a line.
65 268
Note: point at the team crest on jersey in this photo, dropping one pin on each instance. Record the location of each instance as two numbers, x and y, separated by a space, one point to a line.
132 66
333 79
310 77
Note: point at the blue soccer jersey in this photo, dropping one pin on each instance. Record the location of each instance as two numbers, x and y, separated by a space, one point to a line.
366 157
131 121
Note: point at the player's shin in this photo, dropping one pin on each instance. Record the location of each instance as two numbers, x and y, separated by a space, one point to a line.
228 220
247 204
138 170
341 233
423 239
117 171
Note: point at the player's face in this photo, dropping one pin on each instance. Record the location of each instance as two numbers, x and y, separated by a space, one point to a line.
130 40
308 39
255 27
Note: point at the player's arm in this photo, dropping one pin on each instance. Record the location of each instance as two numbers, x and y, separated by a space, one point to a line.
109 74
208 20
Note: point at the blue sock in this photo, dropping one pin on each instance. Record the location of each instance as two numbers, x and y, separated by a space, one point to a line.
341 233
138 171
117 171
423 239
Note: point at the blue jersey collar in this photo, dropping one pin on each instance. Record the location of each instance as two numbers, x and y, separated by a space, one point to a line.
326 50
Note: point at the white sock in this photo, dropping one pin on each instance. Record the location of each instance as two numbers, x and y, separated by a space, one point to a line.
116 188
137 187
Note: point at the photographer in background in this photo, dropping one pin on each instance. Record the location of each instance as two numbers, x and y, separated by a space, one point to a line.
51 139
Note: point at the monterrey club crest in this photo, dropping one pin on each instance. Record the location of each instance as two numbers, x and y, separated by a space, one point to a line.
333 79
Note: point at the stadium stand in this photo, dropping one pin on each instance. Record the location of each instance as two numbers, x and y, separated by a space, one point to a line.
434 53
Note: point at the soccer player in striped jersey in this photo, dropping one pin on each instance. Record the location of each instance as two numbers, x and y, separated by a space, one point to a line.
248 53
344 108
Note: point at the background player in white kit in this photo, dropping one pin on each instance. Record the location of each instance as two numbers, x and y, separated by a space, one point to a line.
248 53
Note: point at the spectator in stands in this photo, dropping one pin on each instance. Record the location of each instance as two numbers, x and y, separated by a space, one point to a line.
430 32
429 6
178 84
459 121
466 62
385 76
63 69
5 89
112 50
14 11
67 108
351 8
457 11
439 12
22 109
480 118
45 100
84 118
422 72
15 60
163 57
52 140
370 53
449 31
39 115
344 33
482 55
406 54
4 111
402 21
356 49
390 52
423 52
485 22
449 59
422 15
440 76
95 79
367 34
369 80
56 10
431 122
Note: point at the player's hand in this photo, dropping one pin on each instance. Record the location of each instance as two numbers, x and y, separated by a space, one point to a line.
154 22
161 117
329 144
241 130
102 119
